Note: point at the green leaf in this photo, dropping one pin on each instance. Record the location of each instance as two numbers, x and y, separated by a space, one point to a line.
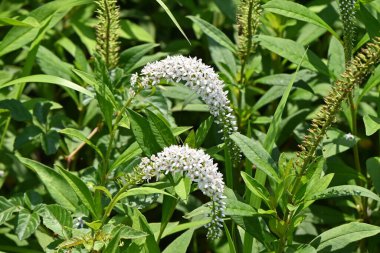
256 188
371 124
373 81
270 95
181 243
41 111
143 133
113 245
318 185
182 188
6 210
19 36
57 219
293 52
214 33
127 232
339 237
231 244
190 139
238 208
77 134
228 8
274 127
371 23
373 169
132 55
142 191
179 130
130 30
254 151
297 11
161 129
178 228
139 222
223 59
80 189
50 142
171 16
202 131
27 223
336 61
17 109
55 184
30 22
336 142
345 190
131 152
48 79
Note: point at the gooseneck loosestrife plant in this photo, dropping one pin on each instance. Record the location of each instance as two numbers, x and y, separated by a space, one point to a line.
125 168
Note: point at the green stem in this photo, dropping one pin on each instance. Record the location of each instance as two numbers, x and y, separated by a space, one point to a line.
353 109
378 115
5 131
228 167
111 140
113 203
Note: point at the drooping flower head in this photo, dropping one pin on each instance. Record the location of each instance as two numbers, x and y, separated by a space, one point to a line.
201 79
199 167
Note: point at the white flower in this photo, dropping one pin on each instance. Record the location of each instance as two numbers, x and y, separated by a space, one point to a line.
349 137
199 167
79 222
199 77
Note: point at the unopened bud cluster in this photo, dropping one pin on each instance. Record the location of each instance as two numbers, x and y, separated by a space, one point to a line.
199 167
347 13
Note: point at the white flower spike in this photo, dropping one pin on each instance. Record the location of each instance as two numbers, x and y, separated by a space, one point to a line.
199 167
201 79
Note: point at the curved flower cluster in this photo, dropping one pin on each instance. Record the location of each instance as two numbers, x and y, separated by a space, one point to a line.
201 79
199 167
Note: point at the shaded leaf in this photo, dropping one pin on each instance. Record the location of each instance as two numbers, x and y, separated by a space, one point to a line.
181 243
17 110
339 237
371 124
293 52
80 188
254 151
27 223
143 134
48 79
297 11
55 184
57 219
214 33
345 190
